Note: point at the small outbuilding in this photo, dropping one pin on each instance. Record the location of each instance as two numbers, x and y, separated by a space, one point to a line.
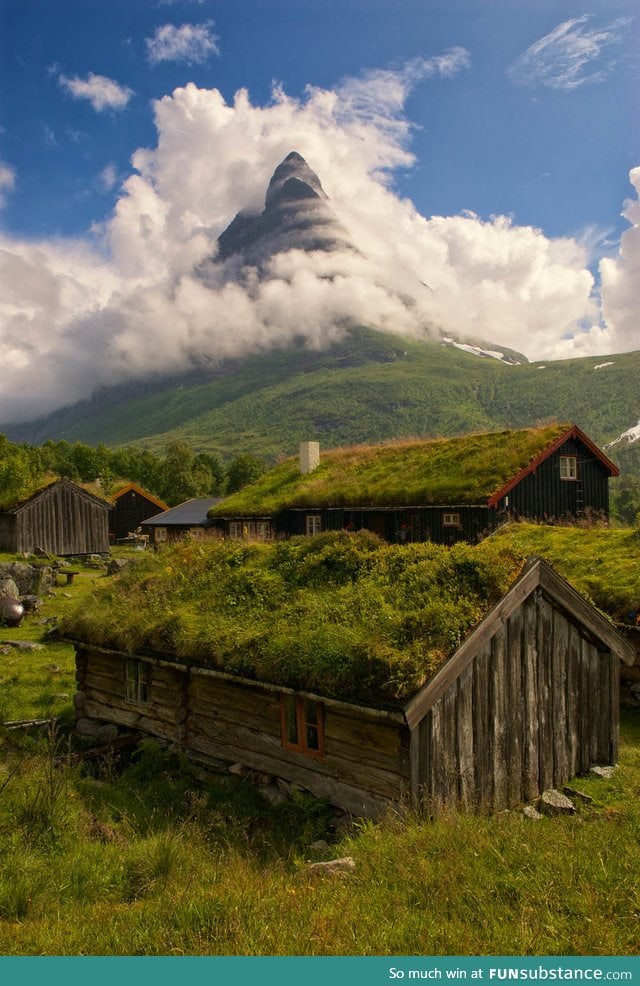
528 698
173 524
131 506
60 519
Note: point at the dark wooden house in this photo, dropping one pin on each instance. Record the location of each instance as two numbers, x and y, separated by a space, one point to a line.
443 490
132 505
61 519
188 518
527 701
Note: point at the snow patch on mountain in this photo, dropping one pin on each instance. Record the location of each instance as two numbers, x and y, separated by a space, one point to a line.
629 436
513 359
600 366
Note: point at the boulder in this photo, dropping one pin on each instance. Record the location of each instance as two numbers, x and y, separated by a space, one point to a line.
552 802
343 865
9 589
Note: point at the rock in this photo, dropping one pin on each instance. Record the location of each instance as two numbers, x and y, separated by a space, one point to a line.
341 824
23 645
117 565
319 846
599 771
343 865
529 811
238 770
572 792
94 729
9 589
552 802
95 561
273 795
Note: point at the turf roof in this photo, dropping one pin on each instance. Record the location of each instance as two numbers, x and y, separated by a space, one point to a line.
464 470
342 615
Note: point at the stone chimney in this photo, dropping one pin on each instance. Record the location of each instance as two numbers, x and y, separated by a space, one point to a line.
309 456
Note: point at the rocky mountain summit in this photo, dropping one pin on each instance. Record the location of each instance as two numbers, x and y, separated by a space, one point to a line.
296 216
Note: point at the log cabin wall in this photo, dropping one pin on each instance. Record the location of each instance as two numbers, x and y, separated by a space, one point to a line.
365 767
537 705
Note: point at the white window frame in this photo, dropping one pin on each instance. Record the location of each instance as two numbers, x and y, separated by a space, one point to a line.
313 524
451 520
569 467
160 535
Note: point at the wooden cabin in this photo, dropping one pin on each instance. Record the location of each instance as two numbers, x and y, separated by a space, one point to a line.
444 490
132 505
60 519
528 700
188 518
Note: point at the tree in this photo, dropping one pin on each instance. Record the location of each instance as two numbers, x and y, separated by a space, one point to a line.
243 470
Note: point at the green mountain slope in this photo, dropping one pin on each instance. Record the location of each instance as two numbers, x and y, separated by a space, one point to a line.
368 387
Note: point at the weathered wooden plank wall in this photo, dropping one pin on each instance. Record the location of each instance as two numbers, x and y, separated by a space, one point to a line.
366 763
62 521
537 705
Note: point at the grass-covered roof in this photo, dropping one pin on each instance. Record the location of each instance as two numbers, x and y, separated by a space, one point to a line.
463 470
600 562
340 614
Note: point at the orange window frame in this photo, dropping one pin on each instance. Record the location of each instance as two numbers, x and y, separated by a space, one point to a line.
302 725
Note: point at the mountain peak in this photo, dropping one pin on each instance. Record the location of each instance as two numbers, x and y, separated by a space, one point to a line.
293 168
296 215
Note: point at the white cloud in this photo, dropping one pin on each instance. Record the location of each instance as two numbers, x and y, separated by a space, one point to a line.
102 93
7 182
191 43
108 177
620 277
571 55
77 315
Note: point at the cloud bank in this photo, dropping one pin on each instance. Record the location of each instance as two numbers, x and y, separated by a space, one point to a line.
133 300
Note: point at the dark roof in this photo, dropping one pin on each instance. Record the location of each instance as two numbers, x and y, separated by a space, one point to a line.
191 513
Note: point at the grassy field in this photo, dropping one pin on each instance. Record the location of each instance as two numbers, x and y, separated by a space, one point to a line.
159 859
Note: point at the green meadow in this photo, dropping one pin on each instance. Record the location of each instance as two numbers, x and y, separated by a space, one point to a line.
150 856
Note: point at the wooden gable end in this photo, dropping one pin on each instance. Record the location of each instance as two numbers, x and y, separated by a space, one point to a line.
568 479
527 702
62 519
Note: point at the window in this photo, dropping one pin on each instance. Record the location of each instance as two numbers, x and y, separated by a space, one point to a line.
235 529
451 520
137 681
301 722
313 524
263 528
568 467
160 535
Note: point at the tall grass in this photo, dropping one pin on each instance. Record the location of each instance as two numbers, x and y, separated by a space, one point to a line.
159 862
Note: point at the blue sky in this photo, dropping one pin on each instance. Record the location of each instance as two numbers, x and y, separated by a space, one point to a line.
552 151
469 109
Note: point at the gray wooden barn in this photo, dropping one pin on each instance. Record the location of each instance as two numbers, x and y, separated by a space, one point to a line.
526 702
61 519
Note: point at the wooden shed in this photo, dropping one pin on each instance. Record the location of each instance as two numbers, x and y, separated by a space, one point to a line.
61 519
131 506
441 490
527 701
